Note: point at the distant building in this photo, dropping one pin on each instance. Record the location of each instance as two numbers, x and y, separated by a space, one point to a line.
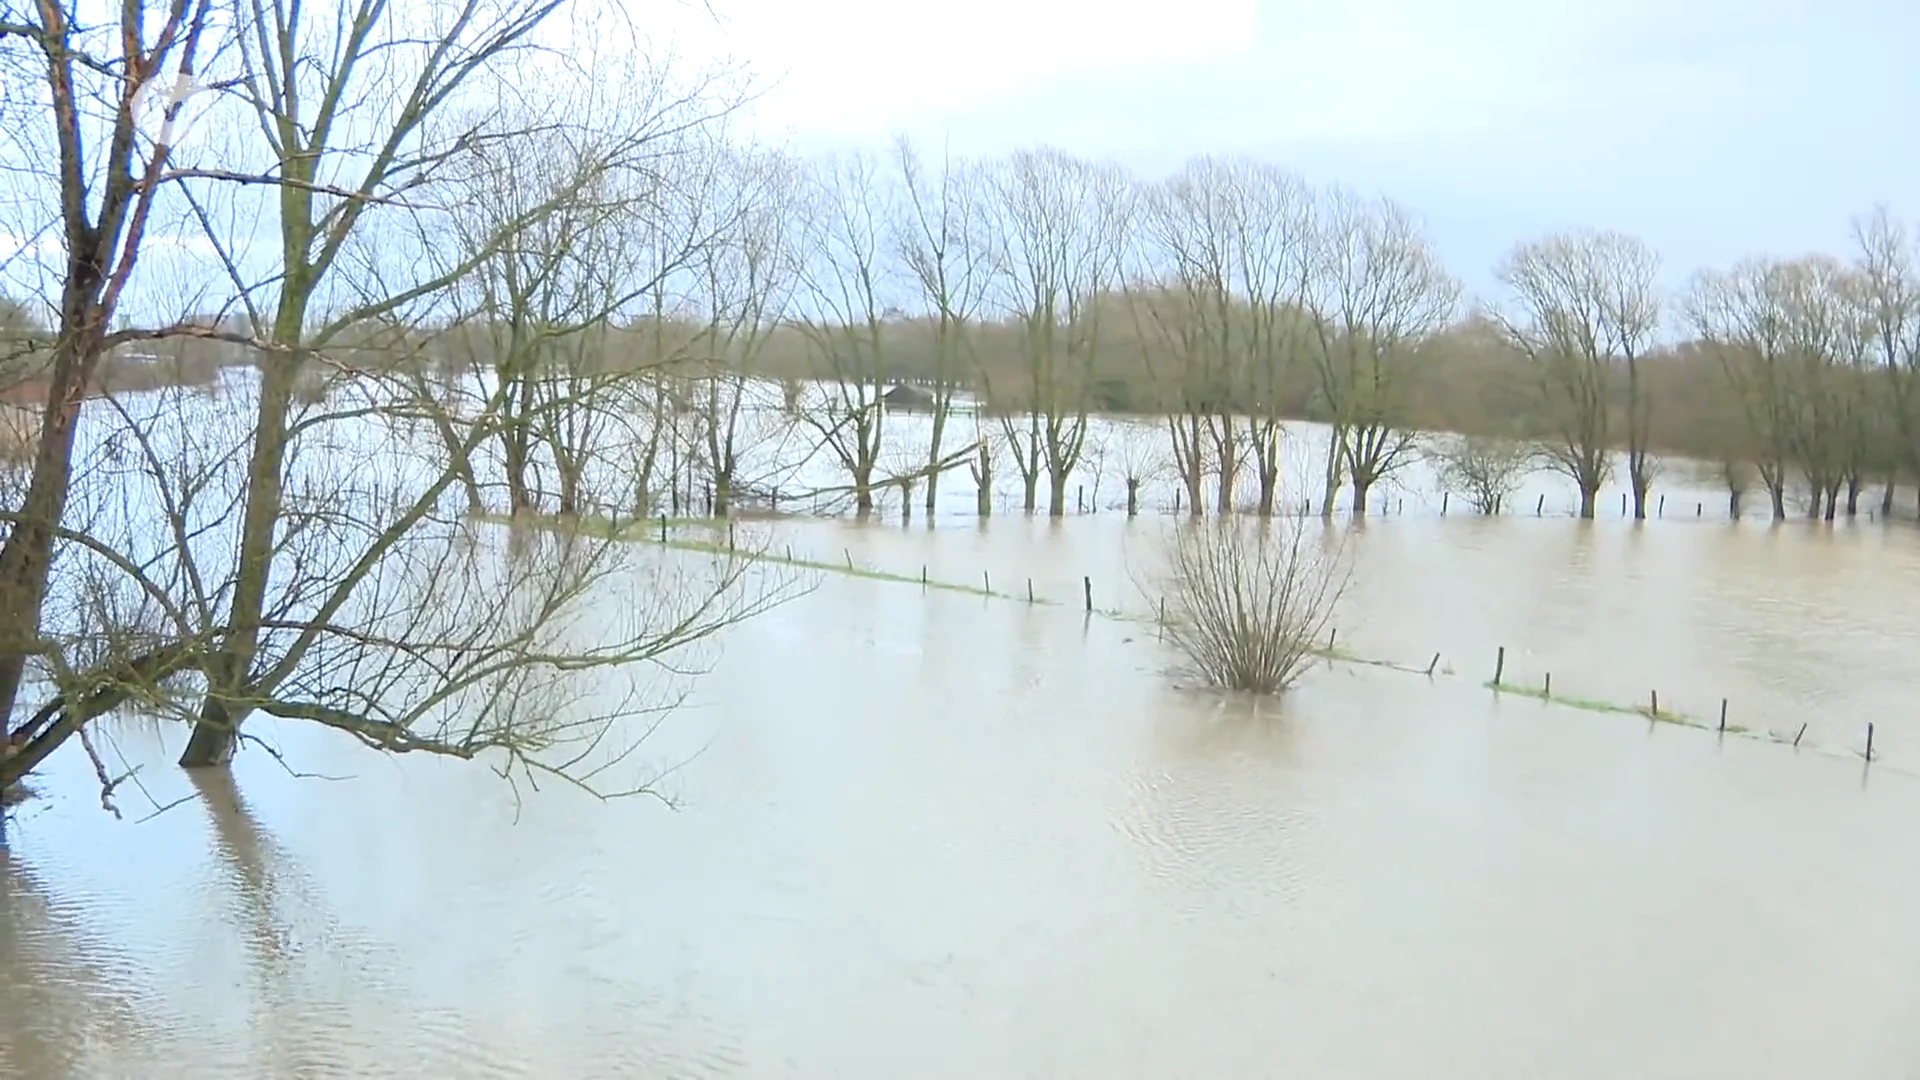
906 399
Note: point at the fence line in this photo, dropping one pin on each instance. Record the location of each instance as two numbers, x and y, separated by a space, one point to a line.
657 533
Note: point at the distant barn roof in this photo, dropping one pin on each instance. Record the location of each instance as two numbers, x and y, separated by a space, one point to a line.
903 396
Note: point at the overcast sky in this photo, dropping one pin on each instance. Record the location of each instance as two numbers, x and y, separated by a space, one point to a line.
1712 128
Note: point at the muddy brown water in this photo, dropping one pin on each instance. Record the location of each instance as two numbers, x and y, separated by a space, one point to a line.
936 835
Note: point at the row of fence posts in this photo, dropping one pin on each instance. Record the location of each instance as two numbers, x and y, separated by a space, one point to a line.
1499 660
1653 700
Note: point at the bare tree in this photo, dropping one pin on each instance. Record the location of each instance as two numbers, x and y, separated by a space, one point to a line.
1192 220
1137 456
344 153
574 228
1828 339
1377 291
1246 603
1890 291
847 295
1173 348
744 282
944 244
76 84
1063 227
1582 306
1276 246
986 451
1741 316
1486 471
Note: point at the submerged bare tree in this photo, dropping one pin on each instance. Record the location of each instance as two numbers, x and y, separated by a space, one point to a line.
1247 602
1890 294
1062 225
942 240
846 295
77 86
742 284
1584 310
1228 252
1376 292
303 550
1486 471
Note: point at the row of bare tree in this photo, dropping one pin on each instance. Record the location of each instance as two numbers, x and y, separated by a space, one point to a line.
1232 297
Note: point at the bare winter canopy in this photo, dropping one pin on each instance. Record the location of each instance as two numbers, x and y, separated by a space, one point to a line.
433 283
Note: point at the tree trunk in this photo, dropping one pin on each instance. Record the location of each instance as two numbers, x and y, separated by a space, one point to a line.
1133 496
1641 485
1777 492
1269 488
1853 495
1362 487
27 557
222 713
933 450
1229 447
723 492
515 459
1056 493
863 490
1733 506
1335 448
1031 479
1589 495
983 482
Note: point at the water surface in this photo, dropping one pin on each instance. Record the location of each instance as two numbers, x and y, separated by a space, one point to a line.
936 835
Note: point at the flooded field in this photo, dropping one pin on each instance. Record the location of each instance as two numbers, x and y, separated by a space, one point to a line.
930 834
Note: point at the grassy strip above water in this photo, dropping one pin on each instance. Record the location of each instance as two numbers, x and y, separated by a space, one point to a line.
1664 716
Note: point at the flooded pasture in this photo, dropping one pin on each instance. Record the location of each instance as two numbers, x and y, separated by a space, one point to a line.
931 834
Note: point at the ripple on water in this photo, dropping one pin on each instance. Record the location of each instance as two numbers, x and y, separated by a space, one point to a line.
1215 845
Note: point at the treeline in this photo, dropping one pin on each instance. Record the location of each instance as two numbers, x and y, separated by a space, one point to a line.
1231 297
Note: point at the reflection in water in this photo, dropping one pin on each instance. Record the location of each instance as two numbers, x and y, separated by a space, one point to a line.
56 1002
926 834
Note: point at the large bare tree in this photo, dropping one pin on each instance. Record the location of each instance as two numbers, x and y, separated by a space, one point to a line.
1742 317
1889 283
848 290
78 85
943 244
1585 310
743 284
1376 292
1063 227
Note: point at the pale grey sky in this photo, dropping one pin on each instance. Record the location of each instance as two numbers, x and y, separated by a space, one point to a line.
1713 128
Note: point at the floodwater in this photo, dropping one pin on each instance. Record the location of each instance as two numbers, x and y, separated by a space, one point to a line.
927 834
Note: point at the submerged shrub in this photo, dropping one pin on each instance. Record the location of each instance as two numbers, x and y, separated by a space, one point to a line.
1245 602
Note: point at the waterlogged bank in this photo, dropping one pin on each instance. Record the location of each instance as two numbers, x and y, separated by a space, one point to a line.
934 834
